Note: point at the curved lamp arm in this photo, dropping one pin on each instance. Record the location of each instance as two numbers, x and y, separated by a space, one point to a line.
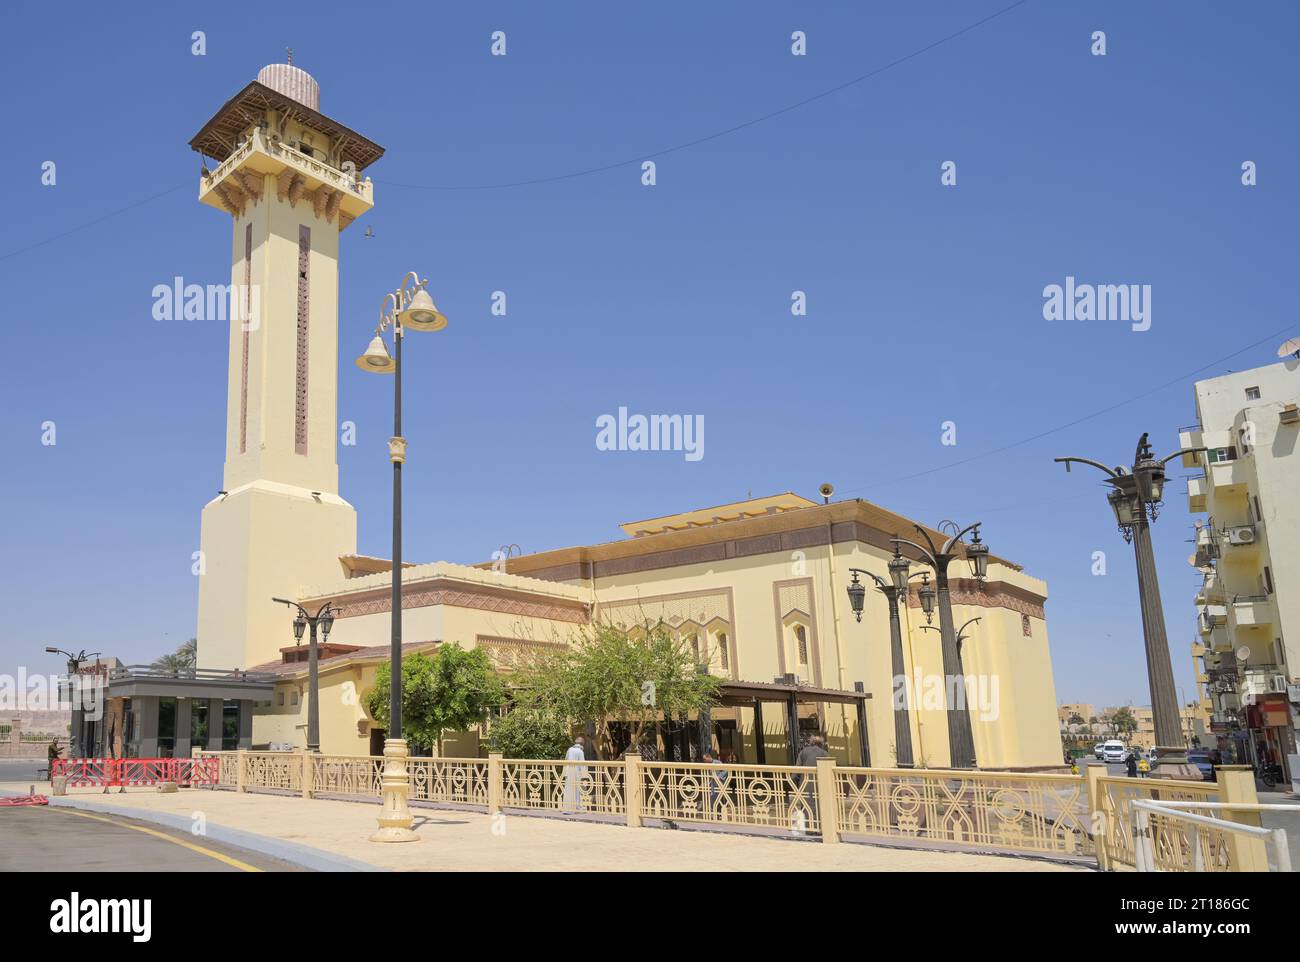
1096 464
957 537
1179 454
387 313
880 582
927 553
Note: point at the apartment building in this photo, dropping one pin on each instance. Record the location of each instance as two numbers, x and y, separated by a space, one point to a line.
1248 550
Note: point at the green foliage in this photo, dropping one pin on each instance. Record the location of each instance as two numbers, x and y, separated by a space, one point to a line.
451 690
1123 721
610 673
182 659
530 732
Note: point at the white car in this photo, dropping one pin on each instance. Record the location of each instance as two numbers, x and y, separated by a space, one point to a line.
1099 750
1113 751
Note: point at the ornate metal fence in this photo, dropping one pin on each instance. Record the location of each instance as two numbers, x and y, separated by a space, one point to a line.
1021 812
346 775
1174 842
463 780
575 787
772 796
1052 815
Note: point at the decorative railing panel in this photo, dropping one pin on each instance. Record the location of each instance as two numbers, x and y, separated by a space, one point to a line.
462 780
577 787
772 796
1174 842
1022 812
346 775
276 771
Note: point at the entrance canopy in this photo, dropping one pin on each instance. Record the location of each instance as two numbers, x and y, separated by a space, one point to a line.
791 694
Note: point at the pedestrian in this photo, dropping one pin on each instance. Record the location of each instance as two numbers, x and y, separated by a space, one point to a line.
54 751
1144 766
804 809
574 774
1131 765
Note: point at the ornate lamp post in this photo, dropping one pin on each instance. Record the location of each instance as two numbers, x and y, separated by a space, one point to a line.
402 309
891 589
325 618
75 696
1135 497
961 741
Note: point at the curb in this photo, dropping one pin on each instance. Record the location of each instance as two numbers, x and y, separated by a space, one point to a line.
304 856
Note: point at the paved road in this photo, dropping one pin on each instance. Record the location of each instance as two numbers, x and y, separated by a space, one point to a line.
47 838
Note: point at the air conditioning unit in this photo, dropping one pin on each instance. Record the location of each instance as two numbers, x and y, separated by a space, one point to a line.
1242 535
1277 683
1289 414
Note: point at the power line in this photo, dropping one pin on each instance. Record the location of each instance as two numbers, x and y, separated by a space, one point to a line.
721 133
91 223
1087 417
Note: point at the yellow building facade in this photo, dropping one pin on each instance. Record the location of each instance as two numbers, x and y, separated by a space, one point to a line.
758 586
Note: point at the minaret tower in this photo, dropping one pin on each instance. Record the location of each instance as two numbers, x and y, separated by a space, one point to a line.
290 178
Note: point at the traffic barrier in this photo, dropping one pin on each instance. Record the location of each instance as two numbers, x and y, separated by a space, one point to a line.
128 772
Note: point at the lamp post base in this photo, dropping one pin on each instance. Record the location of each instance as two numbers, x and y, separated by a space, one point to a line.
1172 763
395 818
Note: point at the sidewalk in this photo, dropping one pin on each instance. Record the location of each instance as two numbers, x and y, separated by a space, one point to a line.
465 841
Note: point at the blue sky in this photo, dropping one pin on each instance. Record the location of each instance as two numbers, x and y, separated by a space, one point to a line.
924 301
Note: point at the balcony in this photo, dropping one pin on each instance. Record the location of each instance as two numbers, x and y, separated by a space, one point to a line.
1255 611
239 178
1211 590
1229 477
1190 437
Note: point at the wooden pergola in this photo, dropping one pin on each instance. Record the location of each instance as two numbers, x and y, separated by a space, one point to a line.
790 694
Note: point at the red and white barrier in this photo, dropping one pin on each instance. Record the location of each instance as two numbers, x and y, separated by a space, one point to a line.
128 772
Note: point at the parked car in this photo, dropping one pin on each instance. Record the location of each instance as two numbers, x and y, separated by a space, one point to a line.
1113 750
1201 759
1099 750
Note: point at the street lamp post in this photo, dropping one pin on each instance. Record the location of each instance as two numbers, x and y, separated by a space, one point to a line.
892 589
75 696
961 741
325 618
403 308
1135 496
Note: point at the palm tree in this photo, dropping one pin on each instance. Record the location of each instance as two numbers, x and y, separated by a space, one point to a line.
183 658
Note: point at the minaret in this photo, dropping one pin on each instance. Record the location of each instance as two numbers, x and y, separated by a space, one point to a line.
290 179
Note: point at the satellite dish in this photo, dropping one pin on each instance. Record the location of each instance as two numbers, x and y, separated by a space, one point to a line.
827 490
1289 347
1243 653
1191 560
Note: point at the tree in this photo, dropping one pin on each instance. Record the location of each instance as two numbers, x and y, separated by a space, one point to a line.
451 690
183 658
1076 718
1123 722
529 731
610 673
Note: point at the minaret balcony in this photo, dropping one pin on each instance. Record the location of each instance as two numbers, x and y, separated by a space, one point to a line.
239 181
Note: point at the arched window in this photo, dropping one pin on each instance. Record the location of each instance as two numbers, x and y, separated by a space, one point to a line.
801 640
725 658
1026 628
695 646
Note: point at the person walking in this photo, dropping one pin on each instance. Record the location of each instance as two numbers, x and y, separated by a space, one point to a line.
1130 764
573 774
804 809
